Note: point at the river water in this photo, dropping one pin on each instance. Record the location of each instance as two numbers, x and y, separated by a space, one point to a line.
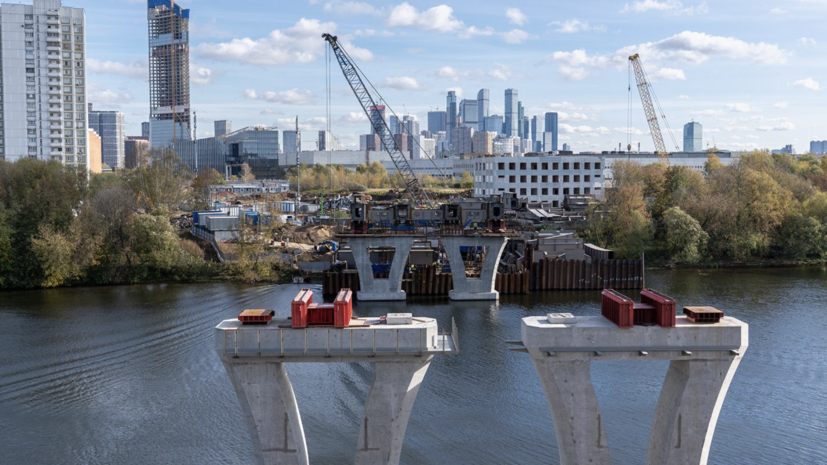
128 375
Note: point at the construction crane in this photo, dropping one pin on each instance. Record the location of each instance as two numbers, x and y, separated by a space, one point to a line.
356 79
646 97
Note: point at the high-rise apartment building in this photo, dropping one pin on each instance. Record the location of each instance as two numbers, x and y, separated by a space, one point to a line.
223 127
520 115
169 73
525 128
291 141
483 98
94 157
484 142
468 108
451 111
410 125
537 133
818 147
436 121
135 151
393 124
693 140
145 129
43 89
109 126
463 141
551 127
512 121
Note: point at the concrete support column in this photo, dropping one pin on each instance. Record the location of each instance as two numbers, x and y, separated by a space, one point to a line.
388 409
581 437
688 408
482 288
269 405
388 289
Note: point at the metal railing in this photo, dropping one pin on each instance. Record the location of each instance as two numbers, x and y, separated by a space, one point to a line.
200 233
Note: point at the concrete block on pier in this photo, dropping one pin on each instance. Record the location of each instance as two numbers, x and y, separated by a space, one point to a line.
482 288
380 289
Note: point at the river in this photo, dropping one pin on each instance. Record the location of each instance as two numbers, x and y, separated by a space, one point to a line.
128 375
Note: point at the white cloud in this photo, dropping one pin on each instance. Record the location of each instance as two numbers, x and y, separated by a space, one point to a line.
635 131
572 26
353 118
667 74
515 16
287 97
779 105
564 116
102 97
807 41
134 69
372 32
416 50
401 83
739 107
808 83
458 90
474 31
573 73
569 129
707 113
448 72
499 72
308 124
778 11
439 18
350 8
200 75
785 126
668 6
514 36
300 43
683 97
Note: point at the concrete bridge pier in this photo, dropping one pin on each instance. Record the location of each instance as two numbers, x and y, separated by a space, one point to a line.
581 437
375 289
269 405
482 288
690 402
387 410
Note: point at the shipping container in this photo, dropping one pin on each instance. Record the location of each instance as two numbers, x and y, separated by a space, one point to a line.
198 217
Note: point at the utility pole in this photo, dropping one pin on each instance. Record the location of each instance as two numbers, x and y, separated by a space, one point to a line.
298 169
195 137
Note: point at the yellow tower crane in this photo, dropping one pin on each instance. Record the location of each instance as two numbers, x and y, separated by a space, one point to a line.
649 101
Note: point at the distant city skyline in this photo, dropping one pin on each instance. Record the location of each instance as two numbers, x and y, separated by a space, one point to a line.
750 74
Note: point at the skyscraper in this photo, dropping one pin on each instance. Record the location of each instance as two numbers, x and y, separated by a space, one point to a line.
223 127
436 121
484 142
109 126
693 140
818 147
494 123
525 128
520 115
291 141
512 122
482 106
145 130
43 96
169 72
551 126
410 125
469 114
537 133
377 115
451 110
393 124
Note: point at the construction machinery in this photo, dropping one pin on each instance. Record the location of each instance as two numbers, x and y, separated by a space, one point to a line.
649 101
356 79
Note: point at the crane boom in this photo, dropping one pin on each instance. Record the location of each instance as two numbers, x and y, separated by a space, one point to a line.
649 107
380 126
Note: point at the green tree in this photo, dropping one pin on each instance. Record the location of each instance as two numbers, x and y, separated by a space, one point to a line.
801 237
466 181
685 239
201 187
162 185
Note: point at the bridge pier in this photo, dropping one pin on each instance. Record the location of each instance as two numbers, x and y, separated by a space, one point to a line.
484 287
254 357
703 360
384 289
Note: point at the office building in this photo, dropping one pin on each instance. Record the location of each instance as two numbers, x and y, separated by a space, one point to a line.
169 79
423 148
693 140
818 147
537 133
95 157
463 141
525 129
494 123
43 66
552 128
436 121
520 115
109 127
484 142
136 150
410 125
291 141
328 142
377 117
223 127
402 143
512 122
145 129
566 148
451 110
393 124
482 107
787 150
468 109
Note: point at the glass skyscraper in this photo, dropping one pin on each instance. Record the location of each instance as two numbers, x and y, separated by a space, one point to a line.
512 120
693 140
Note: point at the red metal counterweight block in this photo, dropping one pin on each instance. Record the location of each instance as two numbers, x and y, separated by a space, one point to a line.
664 307
338 314
259 316
703 314
617 308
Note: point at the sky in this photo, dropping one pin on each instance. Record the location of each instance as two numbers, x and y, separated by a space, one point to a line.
750 71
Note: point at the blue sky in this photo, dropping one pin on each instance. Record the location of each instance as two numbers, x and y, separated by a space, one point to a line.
752 72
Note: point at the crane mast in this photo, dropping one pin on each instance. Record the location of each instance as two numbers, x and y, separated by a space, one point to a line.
643 87
380 126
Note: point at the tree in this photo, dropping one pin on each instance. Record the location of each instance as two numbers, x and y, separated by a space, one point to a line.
685 239
162 185
713 164
247 173
201 184
801 237
466 181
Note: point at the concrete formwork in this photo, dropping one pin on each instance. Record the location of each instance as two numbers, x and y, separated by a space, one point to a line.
703 360
376 289
254 357
482 288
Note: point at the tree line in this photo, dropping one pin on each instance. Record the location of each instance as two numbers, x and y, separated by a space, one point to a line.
763 206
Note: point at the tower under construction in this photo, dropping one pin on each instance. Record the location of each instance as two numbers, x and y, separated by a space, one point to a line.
169 77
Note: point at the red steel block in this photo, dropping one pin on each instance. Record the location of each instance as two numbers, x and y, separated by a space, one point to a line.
703 314
617 308
299 306
644 314
343 309
256 316
665 307
320 314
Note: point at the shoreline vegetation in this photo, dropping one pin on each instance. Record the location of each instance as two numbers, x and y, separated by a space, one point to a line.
59 229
